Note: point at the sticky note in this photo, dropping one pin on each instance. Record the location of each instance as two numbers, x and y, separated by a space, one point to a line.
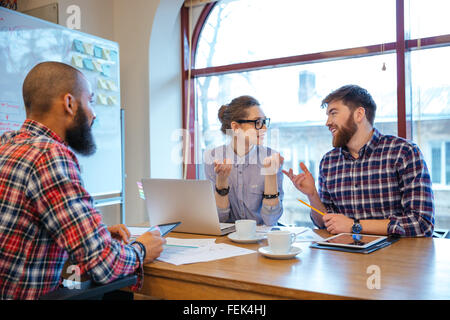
88 65
111 85
113 55
77 61
106 54
112 100
98 52
106 70
97 65
101 99
102 84
78 46
88 48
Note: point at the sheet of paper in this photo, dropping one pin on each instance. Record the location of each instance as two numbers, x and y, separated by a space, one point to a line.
308 236
185 251
137 231
190 242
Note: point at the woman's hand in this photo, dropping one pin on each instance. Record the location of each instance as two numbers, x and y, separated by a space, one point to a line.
272 164
222 171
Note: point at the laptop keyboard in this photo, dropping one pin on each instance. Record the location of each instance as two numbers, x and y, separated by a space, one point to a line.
224 225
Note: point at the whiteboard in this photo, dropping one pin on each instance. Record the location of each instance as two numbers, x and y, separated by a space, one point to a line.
26 41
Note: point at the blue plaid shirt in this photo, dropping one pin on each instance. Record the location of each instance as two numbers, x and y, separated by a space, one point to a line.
389 180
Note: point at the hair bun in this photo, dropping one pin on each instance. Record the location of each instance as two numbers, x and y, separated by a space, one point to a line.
221 114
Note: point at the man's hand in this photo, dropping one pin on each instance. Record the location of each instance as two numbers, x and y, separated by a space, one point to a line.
337 223
304 181
153 243
120 232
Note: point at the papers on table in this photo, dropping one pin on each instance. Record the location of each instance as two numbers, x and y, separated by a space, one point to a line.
184 251
308 236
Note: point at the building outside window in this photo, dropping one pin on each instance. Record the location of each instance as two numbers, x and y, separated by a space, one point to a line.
290 54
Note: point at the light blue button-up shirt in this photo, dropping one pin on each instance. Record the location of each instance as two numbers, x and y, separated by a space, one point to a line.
246 183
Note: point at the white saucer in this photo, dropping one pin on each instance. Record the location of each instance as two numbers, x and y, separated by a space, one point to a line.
265 251
234 237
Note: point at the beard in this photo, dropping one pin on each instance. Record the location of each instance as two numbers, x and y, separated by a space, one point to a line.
345 133
79 136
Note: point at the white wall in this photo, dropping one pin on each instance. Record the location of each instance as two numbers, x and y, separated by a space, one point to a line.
96 15
165 90
148 33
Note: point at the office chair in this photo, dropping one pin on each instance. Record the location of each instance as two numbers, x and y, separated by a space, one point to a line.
91 291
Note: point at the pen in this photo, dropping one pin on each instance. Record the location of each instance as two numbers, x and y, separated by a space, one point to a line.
318 211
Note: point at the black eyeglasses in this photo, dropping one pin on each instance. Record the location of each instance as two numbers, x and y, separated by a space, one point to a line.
259 123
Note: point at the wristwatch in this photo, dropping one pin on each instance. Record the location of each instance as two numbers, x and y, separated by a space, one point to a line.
223 192
356 228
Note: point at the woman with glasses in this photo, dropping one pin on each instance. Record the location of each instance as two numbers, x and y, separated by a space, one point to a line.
247 176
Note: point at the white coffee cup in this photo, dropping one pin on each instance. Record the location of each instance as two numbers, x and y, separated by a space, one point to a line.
280 241
245 228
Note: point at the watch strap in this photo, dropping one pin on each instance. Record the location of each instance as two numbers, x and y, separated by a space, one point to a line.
223 192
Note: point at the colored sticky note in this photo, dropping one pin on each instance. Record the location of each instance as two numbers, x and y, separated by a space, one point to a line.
111 85
113 55
106 54
102 84
112 100
77 61
88 48
78 46
98 52
101 99
106 70
88 65
97 65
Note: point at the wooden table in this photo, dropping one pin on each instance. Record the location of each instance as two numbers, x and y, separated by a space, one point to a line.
412 268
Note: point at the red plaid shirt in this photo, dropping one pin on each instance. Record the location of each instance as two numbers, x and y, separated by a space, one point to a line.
47 217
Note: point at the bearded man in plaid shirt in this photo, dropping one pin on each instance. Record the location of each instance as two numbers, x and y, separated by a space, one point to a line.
46 215
369 183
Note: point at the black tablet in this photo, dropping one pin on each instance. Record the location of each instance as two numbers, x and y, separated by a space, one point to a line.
166 227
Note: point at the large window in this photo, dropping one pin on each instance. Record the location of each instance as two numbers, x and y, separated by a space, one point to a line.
290 54
431 118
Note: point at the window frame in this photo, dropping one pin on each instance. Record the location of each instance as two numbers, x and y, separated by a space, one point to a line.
401 47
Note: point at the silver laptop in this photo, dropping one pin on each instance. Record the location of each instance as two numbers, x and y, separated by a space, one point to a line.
191 202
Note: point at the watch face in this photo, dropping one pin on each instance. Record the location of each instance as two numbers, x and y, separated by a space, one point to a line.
356 228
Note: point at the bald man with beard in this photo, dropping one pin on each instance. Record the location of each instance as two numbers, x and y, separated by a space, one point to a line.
46 215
